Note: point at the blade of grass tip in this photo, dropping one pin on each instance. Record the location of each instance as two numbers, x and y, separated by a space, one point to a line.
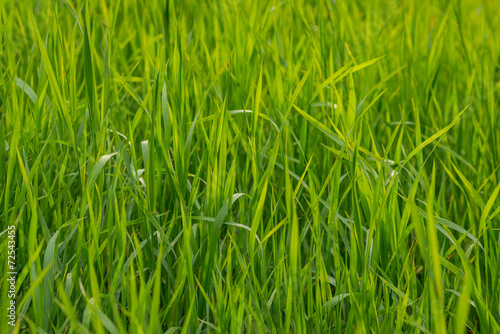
98 167
487 209
74 16
297 91
320 126
27 89
61 102
341 74
475 195
89 74
132 92
433 137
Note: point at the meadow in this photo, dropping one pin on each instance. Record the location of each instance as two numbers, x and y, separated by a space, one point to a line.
242 166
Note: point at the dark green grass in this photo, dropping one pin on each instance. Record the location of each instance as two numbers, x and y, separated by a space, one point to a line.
251 166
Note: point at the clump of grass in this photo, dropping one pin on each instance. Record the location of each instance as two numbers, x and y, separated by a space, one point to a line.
251 166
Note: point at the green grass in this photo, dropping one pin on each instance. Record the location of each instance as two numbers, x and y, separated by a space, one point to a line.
251 166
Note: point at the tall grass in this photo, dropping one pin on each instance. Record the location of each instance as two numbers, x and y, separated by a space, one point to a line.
251 166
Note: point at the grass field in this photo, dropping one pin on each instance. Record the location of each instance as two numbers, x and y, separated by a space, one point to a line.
242 166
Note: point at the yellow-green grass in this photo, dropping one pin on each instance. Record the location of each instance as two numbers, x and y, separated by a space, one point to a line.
250 166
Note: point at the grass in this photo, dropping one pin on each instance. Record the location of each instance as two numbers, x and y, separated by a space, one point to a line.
251 166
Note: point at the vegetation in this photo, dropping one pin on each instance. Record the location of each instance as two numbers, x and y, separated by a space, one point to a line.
251 166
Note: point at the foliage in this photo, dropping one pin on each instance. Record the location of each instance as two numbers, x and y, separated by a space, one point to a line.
258 166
